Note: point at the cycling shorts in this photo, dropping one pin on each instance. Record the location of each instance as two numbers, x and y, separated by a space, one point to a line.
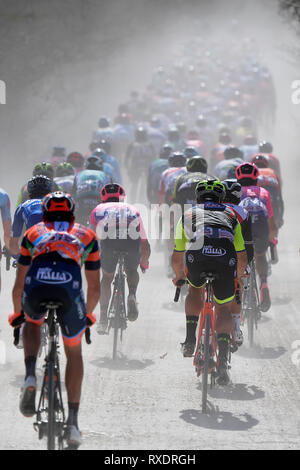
109 250
217 256
56 281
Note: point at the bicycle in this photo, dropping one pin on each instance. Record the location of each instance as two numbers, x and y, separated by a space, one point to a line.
251 312
50 414
117 316
206 354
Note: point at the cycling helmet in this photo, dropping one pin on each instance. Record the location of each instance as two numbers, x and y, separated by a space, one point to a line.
112 191
197 164
247 171
233 191
265 147
261 161
58 206
201 121
177 160
64 169
165 151
76 159
210 190
45 169
103 122
232 152
94 162
190 152
39 186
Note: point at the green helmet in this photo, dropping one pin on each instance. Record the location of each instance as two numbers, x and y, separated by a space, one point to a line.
44 168
64 169
210 190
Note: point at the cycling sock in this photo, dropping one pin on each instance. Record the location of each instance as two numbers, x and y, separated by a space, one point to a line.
223 344
191 326
73 414
30 362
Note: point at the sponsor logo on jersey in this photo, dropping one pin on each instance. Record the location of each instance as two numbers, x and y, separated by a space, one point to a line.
209 250
48 276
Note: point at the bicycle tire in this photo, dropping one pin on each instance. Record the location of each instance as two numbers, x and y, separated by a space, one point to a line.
117 318
206 358
51 410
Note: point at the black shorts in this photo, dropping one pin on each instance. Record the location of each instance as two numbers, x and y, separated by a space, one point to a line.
60 282
109 250
260 234
219 257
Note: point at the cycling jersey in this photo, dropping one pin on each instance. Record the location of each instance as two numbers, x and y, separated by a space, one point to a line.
211 236
55 252
244 219
155 171
28 213
88 184
62 240
117 220
226 168
5 206
168 180
257 200
66 183
209 220
185 186
113 162
267 179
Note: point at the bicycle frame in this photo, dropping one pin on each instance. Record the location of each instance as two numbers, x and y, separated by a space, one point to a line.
117 309
50 411
250 304
206 347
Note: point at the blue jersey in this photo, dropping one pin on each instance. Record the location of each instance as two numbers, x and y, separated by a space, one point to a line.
28 213
5 206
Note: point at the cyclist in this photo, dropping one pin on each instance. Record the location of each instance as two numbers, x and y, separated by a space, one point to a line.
257 201
155 171
249 147
269 180
105 145
266 148
177 167
77 161
107 167
50 268
233 157
104 131
29 212
185 185
87 186
233 198
209 239
43 168
6 220
58 155
119 228
64 176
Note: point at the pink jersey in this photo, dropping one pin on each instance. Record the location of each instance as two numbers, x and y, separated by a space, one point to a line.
261 194
117 220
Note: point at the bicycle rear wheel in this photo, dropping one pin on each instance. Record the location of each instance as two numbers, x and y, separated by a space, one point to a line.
206 358
51 409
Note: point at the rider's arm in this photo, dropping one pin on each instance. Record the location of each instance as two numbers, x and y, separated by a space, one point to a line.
16 231
6 218
19 287
93 289
239 246
178 256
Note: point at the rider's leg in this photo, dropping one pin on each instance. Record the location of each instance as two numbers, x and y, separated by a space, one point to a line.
193 307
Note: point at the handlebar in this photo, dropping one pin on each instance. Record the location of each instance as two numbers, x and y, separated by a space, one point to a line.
178 289
16 334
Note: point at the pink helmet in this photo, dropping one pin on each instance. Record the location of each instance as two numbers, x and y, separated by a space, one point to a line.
247 170
112 191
